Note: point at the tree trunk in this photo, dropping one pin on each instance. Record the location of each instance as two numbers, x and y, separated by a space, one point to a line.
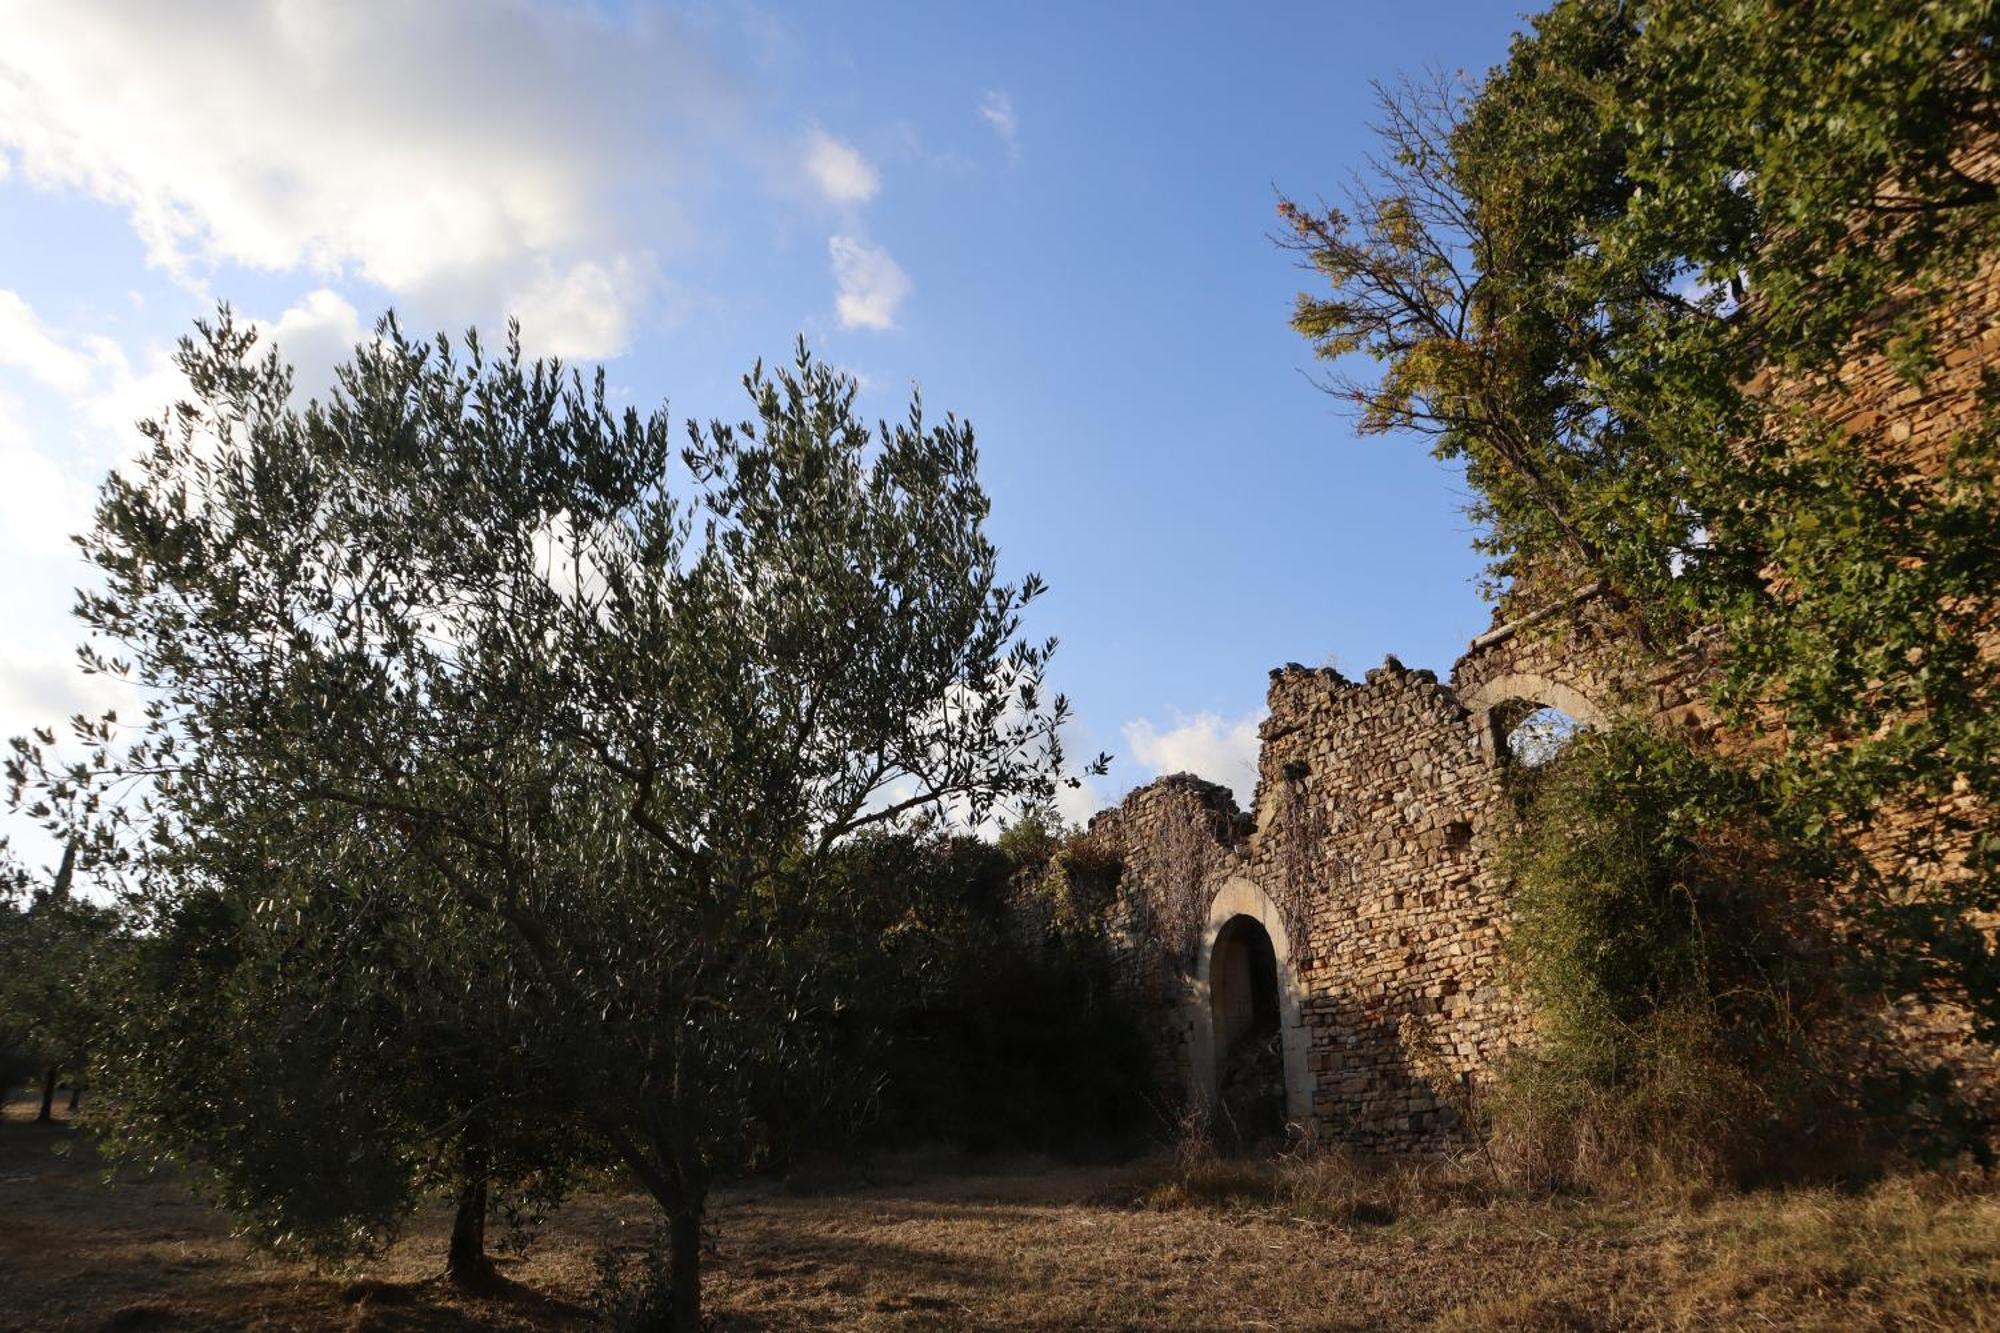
466 1263
48 1097
682 1195
75 1096
684 1269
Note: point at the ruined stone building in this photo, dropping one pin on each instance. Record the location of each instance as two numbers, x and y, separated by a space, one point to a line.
1349 926
1352 922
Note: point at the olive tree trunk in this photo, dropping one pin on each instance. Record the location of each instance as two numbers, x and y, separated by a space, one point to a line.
684 1269
466 1263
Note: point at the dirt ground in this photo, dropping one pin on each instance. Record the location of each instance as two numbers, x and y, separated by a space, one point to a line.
1042 1248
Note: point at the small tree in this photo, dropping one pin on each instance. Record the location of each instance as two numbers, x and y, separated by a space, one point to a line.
619 702
299 1024
16 1058
57 959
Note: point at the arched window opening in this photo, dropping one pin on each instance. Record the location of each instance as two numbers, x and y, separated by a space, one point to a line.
1532 734
1528 719
1249 1050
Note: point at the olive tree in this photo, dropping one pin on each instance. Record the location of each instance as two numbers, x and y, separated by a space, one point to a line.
301 1024
608 701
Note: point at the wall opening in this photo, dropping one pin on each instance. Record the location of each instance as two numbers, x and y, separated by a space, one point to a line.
1248 1042
1532 734
1247 1067
1526 720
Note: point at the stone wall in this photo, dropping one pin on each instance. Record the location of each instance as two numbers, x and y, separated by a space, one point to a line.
1375 800
1914 422
1179 839
1369 861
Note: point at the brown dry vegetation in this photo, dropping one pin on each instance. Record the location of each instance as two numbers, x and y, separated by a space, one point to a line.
1325 1245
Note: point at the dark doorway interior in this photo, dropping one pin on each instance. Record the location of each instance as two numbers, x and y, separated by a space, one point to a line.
1249 1050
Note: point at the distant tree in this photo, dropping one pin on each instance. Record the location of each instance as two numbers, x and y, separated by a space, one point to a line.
1032 838
614 704
57 960
1623 282
16 1062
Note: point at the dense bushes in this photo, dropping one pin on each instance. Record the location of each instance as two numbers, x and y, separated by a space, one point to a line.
971 1026
1699 1013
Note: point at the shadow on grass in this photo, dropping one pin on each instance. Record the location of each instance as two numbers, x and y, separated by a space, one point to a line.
436 1304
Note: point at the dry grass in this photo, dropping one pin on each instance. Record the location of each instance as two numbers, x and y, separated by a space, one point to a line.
1914 1252
1319 1244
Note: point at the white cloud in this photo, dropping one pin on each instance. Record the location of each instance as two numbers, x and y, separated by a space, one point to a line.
41 505
314 336
1207 745
572 314
997 110
26 344
458 151
1077 804
72 420
837 167
124 396
871 284
94 377
471 158
47 688
567 557
587 310
43 686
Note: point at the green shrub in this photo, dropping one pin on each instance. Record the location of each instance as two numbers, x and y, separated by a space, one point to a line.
1687 991
633 1295
967 1031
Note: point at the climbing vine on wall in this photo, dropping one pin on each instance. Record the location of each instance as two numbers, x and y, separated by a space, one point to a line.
1184 853
1301 861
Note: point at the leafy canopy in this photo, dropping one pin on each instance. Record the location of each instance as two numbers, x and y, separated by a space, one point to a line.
585 713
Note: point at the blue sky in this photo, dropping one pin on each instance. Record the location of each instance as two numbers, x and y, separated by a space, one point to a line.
1054 218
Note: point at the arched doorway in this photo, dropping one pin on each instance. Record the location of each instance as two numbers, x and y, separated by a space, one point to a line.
1245 993
1248 1041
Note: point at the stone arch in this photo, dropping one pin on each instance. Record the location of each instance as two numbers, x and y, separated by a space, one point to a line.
1239 902
1525 687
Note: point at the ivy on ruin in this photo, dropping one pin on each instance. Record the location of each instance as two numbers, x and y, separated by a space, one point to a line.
1297 845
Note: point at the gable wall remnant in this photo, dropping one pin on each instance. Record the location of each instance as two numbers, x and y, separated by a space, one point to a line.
1374 798
1370 852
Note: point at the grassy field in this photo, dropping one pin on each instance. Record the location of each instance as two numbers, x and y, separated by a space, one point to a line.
1041 1246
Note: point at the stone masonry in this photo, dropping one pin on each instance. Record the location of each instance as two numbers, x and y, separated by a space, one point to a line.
1368 862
